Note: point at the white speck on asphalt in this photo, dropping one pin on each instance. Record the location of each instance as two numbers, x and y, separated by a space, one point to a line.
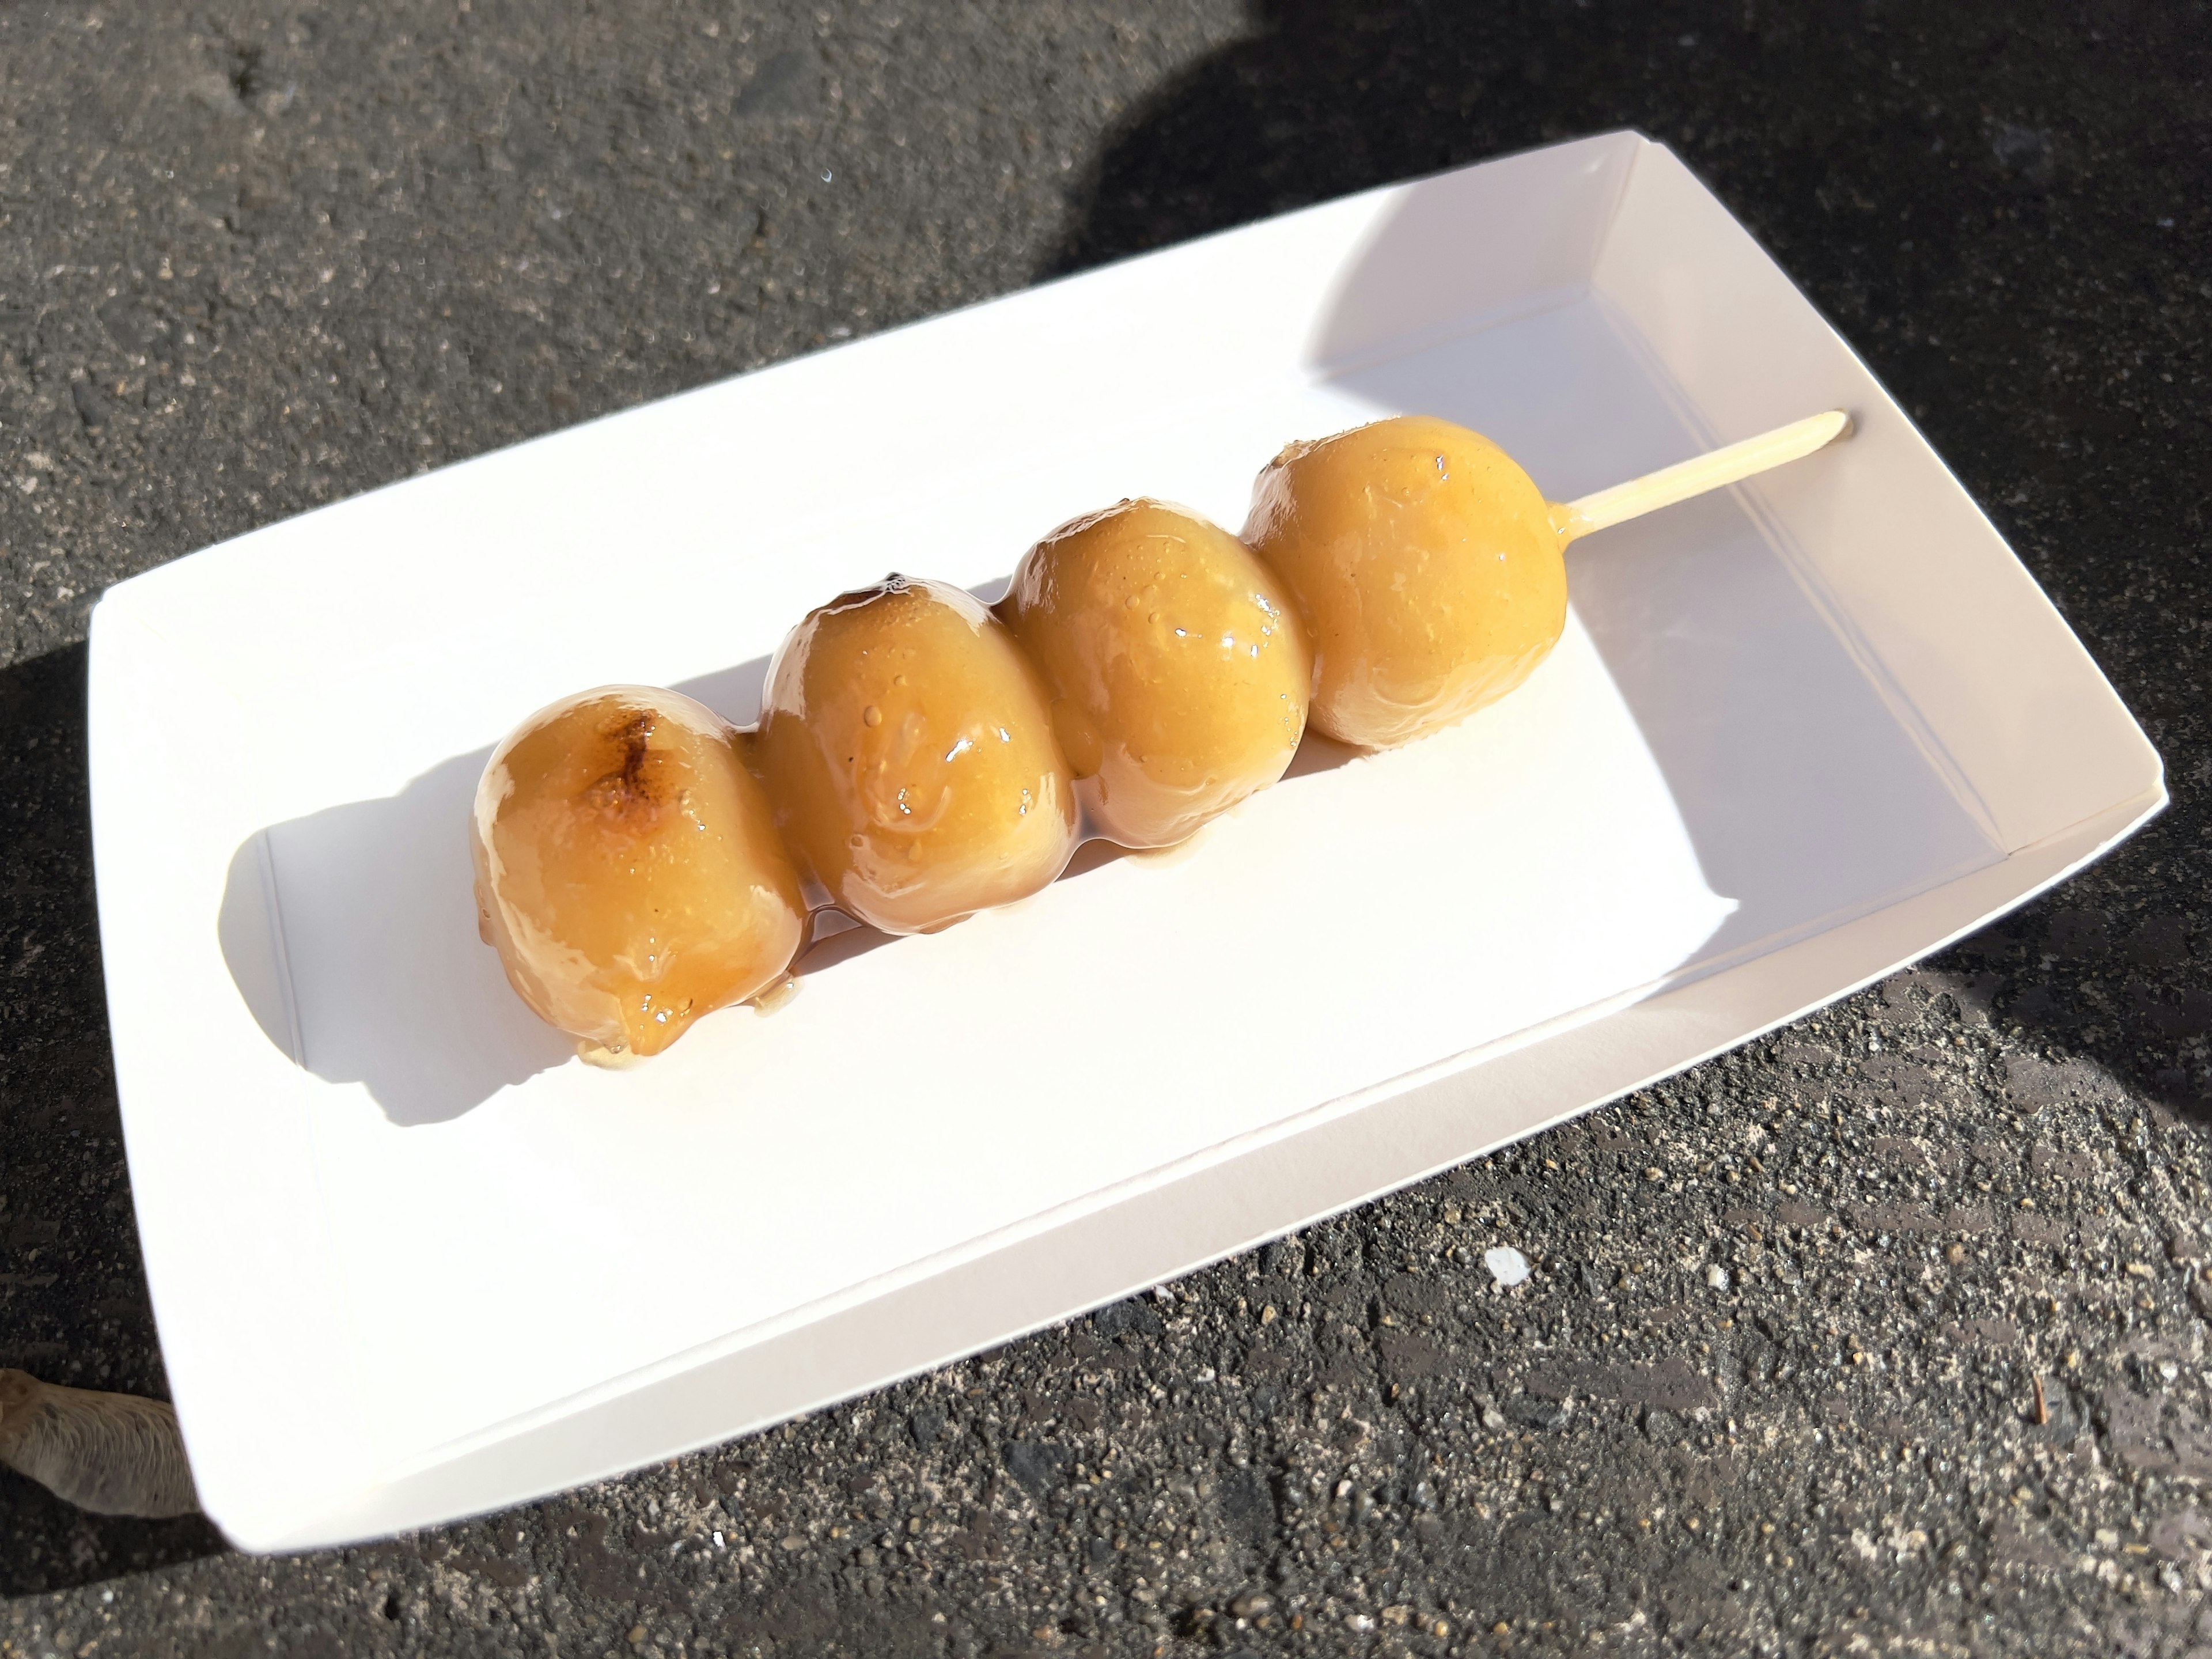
1716 1276
1507 1266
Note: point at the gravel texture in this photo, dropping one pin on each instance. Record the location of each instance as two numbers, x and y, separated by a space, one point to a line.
1883 1334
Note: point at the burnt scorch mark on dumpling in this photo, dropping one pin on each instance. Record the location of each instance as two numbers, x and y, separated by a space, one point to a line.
627 790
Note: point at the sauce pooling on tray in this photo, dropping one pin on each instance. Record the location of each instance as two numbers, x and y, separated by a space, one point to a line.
1178 667
640 863
628 869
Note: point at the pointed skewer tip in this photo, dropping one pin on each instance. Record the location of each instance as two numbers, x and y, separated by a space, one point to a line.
1713 469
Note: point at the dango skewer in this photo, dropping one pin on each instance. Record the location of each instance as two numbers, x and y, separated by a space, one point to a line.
921 756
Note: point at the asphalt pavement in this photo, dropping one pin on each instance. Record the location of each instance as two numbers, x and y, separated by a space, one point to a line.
1886 1333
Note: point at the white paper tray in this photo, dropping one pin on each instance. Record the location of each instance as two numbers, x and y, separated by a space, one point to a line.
408 1264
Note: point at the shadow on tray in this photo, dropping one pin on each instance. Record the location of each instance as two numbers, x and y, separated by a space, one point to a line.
351 935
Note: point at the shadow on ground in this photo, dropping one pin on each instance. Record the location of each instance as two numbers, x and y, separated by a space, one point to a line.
73 1301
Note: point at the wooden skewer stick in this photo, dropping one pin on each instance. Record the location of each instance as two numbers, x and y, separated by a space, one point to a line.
1698 475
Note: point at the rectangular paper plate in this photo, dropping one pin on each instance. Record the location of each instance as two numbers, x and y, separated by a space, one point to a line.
411 1260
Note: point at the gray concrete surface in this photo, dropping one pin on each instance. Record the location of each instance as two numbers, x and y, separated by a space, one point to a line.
258 256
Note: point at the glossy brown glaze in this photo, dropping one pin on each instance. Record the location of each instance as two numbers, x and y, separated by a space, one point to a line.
628 871
907 746
1178 667
1426 567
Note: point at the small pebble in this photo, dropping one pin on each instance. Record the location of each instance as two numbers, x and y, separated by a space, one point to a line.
1507 1266
1718 1277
